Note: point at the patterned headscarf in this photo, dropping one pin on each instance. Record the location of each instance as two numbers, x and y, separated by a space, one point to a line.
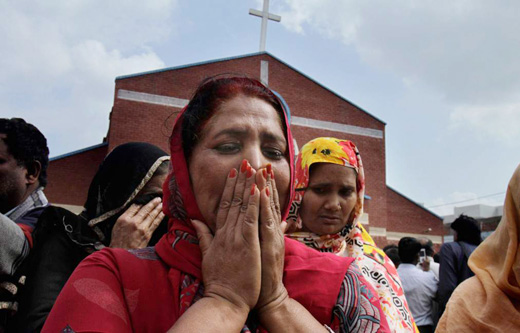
333 151
353 240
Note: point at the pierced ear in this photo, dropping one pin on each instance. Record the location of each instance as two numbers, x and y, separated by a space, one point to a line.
33 172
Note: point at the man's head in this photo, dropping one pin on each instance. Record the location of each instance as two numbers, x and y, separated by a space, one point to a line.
409 250
24 158
427 244
467 230
392 251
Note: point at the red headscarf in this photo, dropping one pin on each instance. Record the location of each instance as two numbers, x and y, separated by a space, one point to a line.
180 249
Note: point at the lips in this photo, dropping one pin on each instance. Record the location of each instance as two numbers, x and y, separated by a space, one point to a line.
332 219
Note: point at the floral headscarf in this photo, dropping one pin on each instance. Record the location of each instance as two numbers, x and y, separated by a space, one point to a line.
334 151
353 240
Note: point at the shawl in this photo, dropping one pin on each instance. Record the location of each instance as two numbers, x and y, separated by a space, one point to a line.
120 177
490 300
353 240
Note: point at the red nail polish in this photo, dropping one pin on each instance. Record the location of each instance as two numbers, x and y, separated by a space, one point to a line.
269 168
243 167
264 173
232 173
267 191
253 188
249 172
272 174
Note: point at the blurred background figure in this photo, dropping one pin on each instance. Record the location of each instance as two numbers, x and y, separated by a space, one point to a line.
427 245
454 257
420 285
392 251
490 300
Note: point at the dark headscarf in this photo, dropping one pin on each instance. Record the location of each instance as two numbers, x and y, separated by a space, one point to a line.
121 176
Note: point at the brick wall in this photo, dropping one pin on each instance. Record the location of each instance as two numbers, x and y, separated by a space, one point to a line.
69 177
138 121
305 98
407 217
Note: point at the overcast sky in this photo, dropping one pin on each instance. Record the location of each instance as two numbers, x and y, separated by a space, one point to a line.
443 75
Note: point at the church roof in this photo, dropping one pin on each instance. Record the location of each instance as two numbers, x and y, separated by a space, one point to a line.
415 203
122 77
79 151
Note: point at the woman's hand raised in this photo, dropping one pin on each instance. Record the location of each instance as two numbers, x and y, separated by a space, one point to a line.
231 267
272 244
134 228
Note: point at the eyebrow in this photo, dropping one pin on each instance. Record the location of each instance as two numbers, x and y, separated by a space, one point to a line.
244 132
349 186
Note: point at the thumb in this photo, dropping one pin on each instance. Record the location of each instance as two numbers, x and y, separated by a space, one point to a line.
203 234
284 225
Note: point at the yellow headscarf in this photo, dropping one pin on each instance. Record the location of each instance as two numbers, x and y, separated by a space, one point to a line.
353 240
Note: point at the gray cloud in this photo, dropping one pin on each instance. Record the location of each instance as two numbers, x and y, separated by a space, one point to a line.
59 60
466 51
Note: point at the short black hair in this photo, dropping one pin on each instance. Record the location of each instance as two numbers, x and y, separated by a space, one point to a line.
468 229
392 251
27 144
409 247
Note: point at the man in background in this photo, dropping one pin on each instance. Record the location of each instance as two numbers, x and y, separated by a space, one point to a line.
24 158
420 285
454 257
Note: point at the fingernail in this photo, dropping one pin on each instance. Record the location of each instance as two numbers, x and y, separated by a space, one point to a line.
232 173
267 191
249 172
269 168
264 172
272 174
243 167
253 188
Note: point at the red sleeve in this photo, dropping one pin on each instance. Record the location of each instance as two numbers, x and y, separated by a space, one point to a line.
92 300
27 231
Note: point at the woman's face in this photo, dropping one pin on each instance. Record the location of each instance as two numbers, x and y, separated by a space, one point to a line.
241 128
329 199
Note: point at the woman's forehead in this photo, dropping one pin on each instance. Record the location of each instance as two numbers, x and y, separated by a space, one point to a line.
331 172
243 113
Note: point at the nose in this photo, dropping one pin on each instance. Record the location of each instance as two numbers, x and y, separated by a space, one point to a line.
255 157
332 203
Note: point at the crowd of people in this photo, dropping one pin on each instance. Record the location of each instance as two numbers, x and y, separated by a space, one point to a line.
233 232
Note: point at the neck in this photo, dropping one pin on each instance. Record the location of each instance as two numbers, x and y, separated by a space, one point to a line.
28 191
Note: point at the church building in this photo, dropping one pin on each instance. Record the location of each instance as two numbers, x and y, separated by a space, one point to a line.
146 104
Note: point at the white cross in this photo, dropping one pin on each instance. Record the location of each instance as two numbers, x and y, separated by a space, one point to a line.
265 15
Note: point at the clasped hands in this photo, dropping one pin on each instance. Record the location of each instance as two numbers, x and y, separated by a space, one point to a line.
243 260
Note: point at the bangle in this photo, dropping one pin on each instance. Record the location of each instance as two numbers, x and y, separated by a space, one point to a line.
329 329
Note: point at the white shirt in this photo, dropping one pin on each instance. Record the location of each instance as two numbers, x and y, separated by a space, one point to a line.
420 288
